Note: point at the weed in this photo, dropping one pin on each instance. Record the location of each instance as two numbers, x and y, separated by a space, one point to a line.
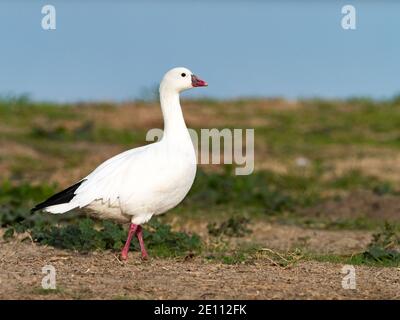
256 190
322 131
385 246
164 242
383 251
85 235
17 195
15 201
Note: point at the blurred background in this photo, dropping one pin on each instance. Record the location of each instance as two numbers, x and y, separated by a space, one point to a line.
118 50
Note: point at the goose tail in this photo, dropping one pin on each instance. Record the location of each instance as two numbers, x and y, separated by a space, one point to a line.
61 202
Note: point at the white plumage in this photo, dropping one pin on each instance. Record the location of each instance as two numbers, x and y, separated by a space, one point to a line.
142 182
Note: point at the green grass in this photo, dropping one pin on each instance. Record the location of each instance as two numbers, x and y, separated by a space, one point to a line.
325 124
385 247
87 131
82 234
20 111
321 131
271 192
23 193
87 235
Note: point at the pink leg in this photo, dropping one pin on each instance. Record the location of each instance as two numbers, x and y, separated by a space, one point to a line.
125 250
139 234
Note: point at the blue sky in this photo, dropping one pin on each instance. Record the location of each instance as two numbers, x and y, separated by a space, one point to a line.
116 50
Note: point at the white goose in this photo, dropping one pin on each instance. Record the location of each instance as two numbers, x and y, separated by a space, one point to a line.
139 183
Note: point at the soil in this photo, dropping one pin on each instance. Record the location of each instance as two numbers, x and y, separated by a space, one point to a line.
289 237
101 275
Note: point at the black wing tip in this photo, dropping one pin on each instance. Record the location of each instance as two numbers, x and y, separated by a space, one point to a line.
38 207
61 197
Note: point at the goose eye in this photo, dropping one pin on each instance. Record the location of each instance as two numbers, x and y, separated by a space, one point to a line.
183 75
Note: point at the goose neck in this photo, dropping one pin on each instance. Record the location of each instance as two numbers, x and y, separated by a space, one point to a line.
174 122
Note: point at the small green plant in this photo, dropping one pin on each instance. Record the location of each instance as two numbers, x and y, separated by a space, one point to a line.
81 236
59 133
233 227
164 242
23 194
385 246
235 258
85 235
15 204
260 189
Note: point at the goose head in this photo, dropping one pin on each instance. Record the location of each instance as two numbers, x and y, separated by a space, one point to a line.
181 79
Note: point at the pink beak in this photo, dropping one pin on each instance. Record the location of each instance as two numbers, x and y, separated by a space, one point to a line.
196 82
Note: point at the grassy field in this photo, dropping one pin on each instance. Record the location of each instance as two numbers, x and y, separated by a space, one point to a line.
325 193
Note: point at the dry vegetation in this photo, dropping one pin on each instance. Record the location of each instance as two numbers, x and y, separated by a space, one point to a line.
325 193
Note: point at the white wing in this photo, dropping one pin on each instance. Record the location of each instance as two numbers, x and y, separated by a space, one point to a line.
108 182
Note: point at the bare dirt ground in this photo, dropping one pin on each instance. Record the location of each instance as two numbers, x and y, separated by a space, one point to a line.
100 275
289 237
